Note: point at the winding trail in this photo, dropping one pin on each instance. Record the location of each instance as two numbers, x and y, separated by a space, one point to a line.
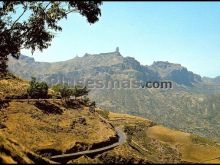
121 140
119 133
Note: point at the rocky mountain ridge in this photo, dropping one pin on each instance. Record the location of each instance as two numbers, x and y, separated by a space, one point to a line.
107 65
192 105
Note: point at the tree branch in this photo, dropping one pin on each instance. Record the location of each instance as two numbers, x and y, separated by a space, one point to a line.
28 29
25 9
73 10
47 6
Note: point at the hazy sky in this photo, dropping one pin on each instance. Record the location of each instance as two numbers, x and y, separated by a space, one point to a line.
181 32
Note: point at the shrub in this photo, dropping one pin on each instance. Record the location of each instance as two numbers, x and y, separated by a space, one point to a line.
93 104
85 101
65 91
80 91
56 88
37 89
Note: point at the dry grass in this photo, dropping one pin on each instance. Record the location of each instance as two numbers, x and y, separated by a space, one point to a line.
214 161
13 86
192 148
33 130
125 119
85 160
122 154
191 151
139 146
12 152
37 130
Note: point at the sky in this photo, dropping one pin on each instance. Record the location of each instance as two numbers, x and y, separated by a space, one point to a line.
187 33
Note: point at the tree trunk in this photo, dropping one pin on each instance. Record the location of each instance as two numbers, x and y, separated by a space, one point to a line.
3 65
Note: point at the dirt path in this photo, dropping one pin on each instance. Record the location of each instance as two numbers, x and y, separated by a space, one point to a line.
119 132
121 140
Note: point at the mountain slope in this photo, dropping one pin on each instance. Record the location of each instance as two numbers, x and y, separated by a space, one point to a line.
191 105
31 133
176 73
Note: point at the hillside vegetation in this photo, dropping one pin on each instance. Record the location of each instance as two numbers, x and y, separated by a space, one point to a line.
12 152
13 85
160 144
33 131
38 130
193 100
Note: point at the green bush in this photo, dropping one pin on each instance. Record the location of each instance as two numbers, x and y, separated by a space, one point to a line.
94 104
37 90
65 91
80 91
86 100
56 88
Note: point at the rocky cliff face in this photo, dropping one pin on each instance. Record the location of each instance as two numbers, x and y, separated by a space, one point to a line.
176 73
101 66
104 66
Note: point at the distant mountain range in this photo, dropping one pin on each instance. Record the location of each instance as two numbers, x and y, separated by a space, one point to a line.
107 63
191 105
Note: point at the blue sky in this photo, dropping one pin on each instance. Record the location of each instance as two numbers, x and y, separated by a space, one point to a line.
180 32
